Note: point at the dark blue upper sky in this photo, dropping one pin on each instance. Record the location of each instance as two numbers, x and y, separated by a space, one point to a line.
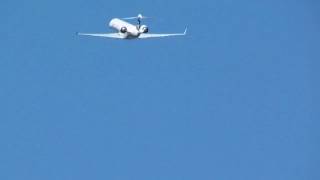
238 98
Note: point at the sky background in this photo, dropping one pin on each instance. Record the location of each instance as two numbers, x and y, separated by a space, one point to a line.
238 98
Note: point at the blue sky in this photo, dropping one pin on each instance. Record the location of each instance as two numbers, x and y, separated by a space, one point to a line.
235 99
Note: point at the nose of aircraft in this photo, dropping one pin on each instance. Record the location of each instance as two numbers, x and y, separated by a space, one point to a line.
112 22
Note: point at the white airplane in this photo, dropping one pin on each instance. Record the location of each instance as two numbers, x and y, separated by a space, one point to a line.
130 31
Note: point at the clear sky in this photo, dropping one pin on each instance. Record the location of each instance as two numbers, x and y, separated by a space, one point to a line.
238 98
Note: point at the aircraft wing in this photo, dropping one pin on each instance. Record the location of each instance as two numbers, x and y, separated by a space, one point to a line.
109 35
144 36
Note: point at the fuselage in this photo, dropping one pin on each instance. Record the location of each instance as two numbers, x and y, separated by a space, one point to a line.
125 29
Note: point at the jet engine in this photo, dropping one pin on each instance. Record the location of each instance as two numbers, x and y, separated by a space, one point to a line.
144 29
123 30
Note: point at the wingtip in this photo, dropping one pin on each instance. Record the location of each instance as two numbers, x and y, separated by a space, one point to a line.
185 31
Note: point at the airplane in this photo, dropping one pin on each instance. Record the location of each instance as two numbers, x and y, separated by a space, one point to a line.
127 30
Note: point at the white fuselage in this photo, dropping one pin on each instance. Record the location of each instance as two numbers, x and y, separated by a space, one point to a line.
132 31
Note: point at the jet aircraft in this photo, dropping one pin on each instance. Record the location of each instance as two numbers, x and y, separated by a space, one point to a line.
126 30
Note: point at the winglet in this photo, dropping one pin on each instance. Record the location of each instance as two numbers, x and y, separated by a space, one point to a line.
185 31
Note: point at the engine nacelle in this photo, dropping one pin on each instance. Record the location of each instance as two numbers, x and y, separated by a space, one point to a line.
123 30
144 29
123 27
